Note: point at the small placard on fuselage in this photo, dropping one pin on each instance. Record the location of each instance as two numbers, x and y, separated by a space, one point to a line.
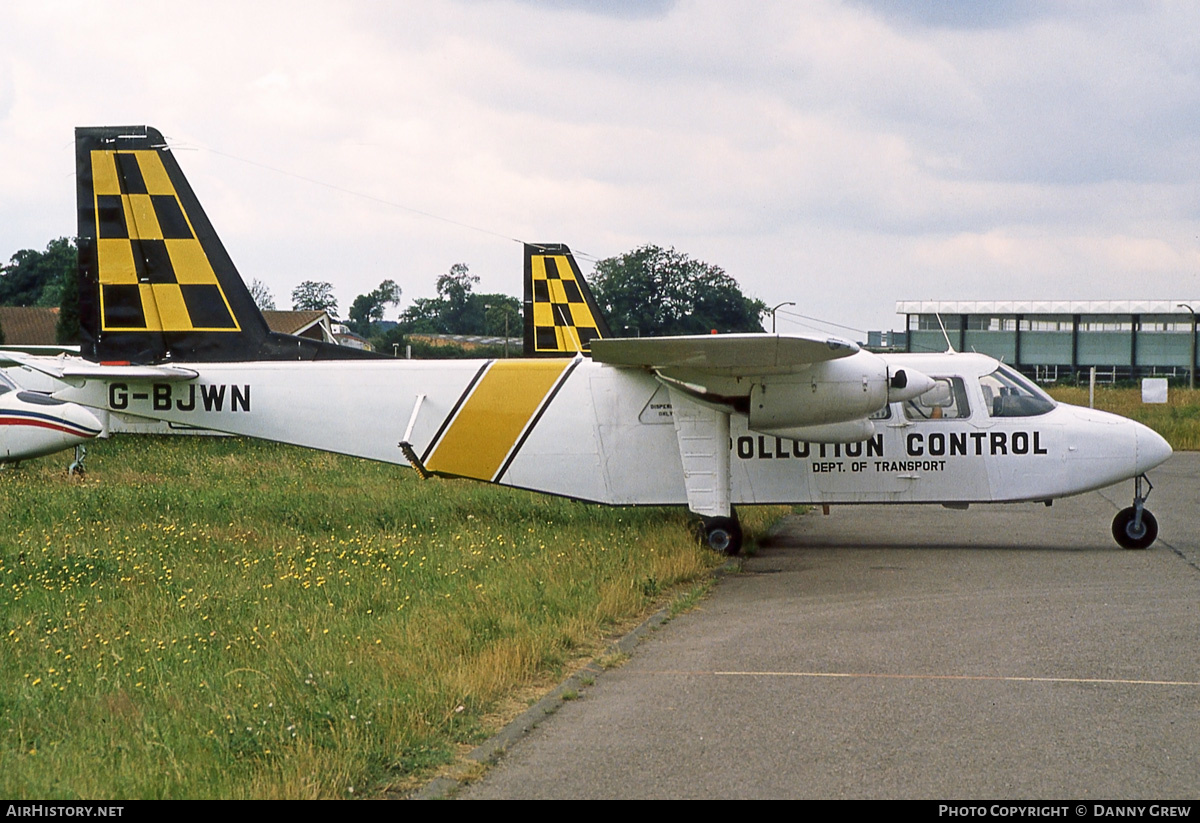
658 410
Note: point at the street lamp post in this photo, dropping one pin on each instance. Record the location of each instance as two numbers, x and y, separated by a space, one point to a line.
777 308
1192 362
504 309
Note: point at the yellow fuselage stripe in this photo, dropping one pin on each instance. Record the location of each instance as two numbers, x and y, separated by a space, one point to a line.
494 416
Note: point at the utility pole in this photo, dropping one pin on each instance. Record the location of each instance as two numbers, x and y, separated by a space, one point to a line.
507 312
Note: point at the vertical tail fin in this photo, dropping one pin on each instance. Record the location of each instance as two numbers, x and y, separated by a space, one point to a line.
155 282
561 316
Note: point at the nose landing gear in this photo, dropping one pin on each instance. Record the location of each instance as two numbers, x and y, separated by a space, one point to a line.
1135 527
77 468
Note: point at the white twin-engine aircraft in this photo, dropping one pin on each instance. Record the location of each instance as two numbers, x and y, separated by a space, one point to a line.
709 422
33 424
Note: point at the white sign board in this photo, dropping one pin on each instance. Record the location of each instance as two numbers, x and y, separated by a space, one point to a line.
1154 390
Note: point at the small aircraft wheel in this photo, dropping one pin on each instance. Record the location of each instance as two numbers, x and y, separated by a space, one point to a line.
723 535
1128 535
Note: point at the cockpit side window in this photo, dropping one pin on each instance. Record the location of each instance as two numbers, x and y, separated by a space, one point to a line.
947 400
6 385
1007 394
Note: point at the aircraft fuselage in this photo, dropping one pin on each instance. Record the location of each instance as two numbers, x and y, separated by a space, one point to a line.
602 433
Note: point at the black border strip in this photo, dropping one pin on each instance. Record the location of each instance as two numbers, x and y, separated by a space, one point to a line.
454 411
536 417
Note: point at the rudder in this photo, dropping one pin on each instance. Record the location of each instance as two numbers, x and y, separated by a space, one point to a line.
155 282
561 315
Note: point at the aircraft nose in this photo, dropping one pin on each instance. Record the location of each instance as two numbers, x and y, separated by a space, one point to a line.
1152 449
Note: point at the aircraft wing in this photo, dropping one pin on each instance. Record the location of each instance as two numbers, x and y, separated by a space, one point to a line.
732 354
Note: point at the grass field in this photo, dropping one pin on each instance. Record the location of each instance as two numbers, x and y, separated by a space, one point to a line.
222 618
1178 420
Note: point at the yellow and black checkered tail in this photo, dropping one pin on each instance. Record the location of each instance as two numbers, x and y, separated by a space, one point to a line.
561 316
155 282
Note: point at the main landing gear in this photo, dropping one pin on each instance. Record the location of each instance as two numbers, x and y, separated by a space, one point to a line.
721 534
1135 527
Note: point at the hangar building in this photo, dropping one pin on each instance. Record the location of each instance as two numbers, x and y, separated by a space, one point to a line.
1054 339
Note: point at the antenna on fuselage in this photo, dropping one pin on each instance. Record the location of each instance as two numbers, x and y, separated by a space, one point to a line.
949 345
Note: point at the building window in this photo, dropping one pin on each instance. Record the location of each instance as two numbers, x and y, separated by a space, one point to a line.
1047 322
929 322
1165 323
983 322
1106 322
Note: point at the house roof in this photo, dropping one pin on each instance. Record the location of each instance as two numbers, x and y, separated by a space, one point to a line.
292 322
29 326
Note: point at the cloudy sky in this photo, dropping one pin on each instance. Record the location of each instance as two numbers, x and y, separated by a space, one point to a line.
842 155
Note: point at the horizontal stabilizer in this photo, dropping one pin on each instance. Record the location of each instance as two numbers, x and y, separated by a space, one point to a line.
92 371
74 368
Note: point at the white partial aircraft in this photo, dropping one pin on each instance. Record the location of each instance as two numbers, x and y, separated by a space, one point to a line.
709 422
33 424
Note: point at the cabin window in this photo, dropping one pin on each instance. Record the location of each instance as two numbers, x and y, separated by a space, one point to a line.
39 399
1007 394
947 400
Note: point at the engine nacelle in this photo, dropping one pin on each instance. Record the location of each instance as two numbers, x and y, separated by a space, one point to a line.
908 383
833 391
850 431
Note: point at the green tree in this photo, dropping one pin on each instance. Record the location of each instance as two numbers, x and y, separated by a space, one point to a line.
261 295
39 278
454 290
368 308
502 317
456 310
652 291
312 295
424 316
67 329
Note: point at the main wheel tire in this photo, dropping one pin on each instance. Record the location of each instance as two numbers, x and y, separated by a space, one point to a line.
1127 535
723 535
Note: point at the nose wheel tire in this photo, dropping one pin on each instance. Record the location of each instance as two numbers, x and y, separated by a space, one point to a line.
1129 534
722 534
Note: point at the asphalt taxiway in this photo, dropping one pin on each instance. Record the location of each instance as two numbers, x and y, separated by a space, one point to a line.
909 651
